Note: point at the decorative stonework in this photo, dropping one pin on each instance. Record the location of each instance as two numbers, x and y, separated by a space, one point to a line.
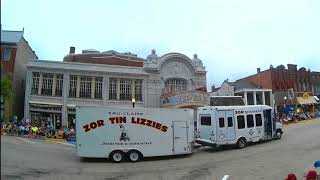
154 63
152 58
197 62
175 69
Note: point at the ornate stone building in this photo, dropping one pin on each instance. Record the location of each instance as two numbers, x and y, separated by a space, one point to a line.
110 78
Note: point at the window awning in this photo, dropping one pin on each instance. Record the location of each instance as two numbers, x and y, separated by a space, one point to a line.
309 100
45 103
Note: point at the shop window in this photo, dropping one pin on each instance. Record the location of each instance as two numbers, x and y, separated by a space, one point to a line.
35 82
59 85
47 84
98 88
73 86
176 85
7 54
138 90
85 87
125 89
112 88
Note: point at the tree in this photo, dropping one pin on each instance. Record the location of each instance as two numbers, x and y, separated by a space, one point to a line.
7 93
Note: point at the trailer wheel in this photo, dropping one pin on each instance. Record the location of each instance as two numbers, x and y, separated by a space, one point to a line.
242 143
134 156
117 156
278 134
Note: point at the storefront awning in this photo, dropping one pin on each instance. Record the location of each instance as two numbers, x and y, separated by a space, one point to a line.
309 100
45 103
71 105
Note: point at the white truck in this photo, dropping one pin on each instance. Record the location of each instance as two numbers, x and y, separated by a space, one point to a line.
236 125
133 133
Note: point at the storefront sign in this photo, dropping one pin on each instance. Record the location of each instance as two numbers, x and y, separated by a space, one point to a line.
189 97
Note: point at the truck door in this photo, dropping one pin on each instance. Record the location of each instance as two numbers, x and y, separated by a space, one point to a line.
180 137
206 127
230 128
221 126
268 123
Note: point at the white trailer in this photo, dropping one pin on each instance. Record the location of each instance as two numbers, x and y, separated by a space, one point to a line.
133 133
228 125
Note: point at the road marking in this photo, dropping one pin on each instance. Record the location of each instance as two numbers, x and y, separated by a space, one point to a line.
26 140
225 177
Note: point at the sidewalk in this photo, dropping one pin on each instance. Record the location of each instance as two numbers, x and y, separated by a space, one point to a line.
302 122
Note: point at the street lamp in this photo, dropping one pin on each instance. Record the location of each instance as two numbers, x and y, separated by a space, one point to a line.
285 99
133 102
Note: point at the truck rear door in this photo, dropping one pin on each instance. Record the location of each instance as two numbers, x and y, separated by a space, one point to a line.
230 126
180 137
225 124
221 126
206 127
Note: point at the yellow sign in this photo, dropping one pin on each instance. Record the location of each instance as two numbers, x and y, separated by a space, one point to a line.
306 95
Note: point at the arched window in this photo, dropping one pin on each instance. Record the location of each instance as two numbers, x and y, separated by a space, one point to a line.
176 85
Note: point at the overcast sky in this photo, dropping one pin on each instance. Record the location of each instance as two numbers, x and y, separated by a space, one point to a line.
232 38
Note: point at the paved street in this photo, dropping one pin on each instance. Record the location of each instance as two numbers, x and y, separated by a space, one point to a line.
296 151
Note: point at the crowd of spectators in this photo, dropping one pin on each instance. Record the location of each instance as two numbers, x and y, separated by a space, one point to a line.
26 129
292 116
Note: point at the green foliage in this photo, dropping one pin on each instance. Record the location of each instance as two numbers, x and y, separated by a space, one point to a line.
7 90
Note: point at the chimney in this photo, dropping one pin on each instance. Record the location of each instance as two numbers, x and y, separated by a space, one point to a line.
72 50
258 70
292 67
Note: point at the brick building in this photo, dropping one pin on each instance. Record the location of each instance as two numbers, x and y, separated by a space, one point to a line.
315 77
15 53
287 84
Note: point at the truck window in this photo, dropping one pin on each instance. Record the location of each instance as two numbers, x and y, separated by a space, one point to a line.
240 120
205 120
230 122
250 122
221 122
258 120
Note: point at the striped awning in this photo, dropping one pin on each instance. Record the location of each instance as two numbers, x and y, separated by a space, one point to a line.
309 100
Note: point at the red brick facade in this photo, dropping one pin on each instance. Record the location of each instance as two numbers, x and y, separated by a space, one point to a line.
281 79
8 66
101 58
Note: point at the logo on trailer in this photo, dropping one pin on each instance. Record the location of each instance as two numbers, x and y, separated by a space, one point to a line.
124 135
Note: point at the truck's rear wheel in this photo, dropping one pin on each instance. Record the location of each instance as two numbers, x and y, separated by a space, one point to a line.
117 156
134 156
242 143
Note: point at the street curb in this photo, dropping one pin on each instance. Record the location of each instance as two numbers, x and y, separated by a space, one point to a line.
55 140
302 122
